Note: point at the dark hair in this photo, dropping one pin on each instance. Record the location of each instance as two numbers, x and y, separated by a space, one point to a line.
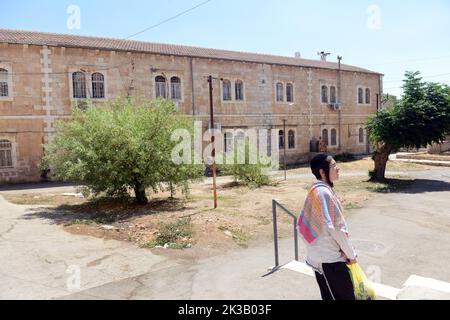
321 161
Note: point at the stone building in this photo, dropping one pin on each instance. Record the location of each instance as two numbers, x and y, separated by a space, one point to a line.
42 75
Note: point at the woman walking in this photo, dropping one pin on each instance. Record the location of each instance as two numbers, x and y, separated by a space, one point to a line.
323 227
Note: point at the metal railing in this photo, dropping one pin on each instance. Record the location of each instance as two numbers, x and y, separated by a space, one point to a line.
276 204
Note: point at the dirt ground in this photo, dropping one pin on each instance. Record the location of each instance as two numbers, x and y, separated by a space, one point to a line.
243 216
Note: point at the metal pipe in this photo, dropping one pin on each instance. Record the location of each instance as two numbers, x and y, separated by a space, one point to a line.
213 152
275 232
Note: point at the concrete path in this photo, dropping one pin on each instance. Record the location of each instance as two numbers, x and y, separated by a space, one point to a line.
396 235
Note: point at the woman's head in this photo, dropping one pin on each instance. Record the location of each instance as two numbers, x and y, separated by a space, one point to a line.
325 168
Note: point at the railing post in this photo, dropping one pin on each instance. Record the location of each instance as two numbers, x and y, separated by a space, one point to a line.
275 232
295 240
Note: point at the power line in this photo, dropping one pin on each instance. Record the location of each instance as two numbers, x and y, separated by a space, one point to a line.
168 19
64 72
409 60
431 76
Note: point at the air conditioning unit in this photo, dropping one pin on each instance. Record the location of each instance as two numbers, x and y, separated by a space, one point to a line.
336 106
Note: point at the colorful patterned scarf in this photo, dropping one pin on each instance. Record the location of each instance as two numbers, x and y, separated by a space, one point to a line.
322 208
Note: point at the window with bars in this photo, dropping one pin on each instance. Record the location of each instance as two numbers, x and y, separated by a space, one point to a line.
289 92
279 89
360 96
324 94
239 90
291 139
332 94
226 90
98 86
160 87
325 136
5 154
4 92
175 88
281 139
228 141
361 135
79 85
333 137
367 96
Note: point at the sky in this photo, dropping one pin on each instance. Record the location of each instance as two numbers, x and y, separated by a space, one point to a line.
389 37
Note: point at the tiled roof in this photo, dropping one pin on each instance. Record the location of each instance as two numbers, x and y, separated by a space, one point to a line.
66 40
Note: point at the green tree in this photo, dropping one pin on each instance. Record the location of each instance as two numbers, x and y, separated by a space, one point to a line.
125 145
420 118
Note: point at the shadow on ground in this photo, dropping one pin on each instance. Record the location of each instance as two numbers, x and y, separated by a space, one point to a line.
104 211
411 186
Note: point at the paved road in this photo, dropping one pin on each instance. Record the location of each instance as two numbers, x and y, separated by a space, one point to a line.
396 235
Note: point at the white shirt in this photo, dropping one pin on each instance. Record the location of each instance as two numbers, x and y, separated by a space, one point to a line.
331 246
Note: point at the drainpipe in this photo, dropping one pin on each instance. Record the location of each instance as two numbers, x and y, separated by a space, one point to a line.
192 88
339 101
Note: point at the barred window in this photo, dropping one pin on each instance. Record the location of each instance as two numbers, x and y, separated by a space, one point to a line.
226 88
367 95
5 154
98 86
289 92
361 135
324 94
291 139
281 139
228 141
160 87
175 87
325 136
332 94
79 85
4 83
239 90
360 96
280 92
333 137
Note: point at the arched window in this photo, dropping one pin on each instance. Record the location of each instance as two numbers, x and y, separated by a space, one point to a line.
175 88
361 135
332 94
98 86
4 92
228 141
5 154
289 92
239 90
226 90
281 139
333 137
79 85
279 89
360 96
160 87
367 96
291 139
324 94
325 136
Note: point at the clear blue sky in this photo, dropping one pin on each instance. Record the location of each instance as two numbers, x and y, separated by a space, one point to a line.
409 35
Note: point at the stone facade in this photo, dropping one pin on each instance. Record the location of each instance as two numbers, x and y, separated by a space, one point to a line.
41 93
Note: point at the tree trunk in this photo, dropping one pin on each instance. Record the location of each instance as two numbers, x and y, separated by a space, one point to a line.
381 158
139 191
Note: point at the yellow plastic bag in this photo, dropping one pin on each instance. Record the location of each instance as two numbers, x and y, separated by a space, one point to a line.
361 286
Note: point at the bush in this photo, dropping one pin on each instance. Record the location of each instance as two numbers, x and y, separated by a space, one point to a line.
175 235
344 157
247 173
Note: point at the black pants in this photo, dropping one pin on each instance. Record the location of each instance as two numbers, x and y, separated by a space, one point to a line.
335 283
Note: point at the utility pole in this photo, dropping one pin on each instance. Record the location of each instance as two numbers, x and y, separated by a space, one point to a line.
339 102
213 152
284 144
